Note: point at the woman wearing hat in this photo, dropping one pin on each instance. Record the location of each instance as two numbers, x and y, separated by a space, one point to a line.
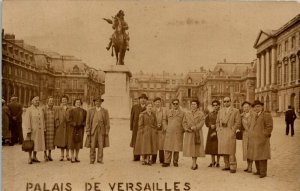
34 124
193 142
146 140
246 118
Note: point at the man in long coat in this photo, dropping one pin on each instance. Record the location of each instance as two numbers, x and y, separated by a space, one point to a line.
228 121
173 124
97 129
134 121
16 111
259 139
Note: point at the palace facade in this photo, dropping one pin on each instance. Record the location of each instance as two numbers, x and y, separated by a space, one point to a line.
278 71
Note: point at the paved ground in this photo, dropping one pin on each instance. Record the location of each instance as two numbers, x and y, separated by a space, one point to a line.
118 167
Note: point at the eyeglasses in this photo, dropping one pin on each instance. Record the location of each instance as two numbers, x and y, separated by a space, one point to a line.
226 101
175 103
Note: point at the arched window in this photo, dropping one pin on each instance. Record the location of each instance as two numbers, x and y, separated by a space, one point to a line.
75 68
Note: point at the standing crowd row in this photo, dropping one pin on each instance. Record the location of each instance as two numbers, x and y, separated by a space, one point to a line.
156 130
63 127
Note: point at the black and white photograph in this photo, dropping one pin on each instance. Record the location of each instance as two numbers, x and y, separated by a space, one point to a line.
150 95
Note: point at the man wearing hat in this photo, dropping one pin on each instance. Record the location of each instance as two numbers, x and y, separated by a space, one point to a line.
97 129
16 111
134 121
259 139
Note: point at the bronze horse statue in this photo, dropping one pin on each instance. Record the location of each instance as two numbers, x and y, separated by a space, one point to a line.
119 39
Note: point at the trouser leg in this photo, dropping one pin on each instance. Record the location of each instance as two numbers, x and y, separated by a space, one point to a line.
100 147
168 157
232 162
287 129
20 133
153 158
263 167
94 139
257 166
292 128
161 156
175 157
226 161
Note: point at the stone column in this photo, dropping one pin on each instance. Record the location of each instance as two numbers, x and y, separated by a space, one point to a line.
258 71
289 71
267 67
273 66
282 73
262 73
297 68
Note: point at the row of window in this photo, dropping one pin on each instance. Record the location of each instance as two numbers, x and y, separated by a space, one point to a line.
286 45
153 95
18 72
287 73
16 52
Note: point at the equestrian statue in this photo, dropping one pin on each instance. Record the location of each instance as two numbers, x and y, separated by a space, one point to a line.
119 40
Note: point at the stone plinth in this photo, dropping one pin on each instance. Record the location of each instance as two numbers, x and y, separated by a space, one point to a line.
116 97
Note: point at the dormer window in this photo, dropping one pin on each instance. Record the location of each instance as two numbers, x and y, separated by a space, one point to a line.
76 69
221 72
189 81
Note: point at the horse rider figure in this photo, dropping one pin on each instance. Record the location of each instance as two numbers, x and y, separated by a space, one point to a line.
119 18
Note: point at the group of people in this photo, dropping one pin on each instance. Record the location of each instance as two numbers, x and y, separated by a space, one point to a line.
12 122
156 130
64 127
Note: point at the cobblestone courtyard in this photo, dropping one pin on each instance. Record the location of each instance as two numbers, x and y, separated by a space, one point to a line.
118 167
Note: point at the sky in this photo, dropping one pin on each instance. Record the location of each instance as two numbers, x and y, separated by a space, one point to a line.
171 36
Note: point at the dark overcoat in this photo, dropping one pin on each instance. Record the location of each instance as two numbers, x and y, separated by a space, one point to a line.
77 122
61 127
211 146
134 122
259 137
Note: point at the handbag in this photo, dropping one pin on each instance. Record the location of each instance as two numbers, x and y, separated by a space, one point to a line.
239 135
27 145
76 135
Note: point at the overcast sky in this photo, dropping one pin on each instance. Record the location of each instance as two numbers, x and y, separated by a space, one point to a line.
164 35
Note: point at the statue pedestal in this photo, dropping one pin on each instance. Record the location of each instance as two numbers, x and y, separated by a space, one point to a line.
116 97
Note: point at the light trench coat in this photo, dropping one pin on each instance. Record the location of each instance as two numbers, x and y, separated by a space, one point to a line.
174 130
34 123
190 148
247 119
226 135
160 133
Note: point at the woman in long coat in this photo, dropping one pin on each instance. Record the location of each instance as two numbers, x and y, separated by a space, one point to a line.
211 147
62 127
193 142
146 140
6 133
49 115
246 118
77 119
34 124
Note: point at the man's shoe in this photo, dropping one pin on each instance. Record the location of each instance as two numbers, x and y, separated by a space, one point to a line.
92 162
262 175
175 164
35 160
165 165
256 173
225 169
232 171
101 162
217 165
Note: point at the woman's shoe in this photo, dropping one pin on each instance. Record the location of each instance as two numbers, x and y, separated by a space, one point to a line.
217 165
72 161
49 158
35 160
61 158
29 161
76 160
144 162
68 158
195 168
46 158
246 170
